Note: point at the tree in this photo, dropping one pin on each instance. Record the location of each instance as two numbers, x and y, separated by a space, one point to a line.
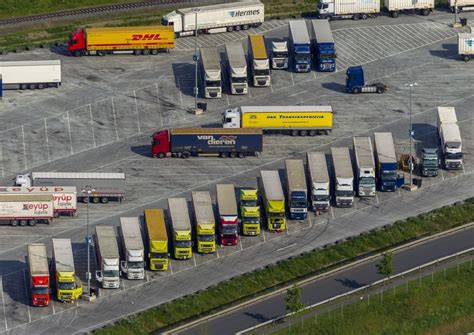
293 300
385 266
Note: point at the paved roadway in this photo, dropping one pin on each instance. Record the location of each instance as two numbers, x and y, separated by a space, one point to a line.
337 284
102 117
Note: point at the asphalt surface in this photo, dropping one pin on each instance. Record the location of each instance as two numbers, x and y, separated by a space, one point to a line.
338 283
103 115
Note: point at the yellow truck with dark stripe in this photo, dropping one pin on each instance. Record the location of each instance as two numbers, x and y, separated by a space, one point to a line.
273 200
157 239
205 222
293 120
68 285
250 211
181 228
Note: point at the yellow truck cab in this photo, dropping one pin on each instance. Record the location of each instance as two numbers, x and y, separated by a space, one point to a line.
273 200
68 286
181 228
157 239
205 222
250 211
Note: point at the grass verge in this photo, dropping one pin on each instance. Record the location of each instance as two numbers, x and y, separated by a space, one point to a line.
438 304
271 277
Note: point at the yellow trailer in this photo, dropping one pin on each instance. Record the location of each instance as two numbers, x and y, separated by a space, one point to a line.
157 239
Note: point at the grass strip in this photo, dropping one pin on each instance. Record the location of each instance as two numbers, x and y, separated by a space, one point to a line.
271 277
438 304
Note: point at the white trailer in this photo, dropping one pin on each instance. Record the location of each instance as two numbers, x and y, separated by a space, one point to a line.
450 135
466 46
26 209
462 5
344 176
64 197
424 7
236 67
210 72
365 166
133 250
216 18
102 186
319 179
279 55
108 257
348 9
30 74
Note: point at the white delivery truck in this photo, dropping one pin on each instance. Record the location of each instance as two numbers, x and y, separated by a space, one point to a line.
211 72
236 67
30 74
451 142
424 7
347 9
365 166
108 257
279 54
133 250
461 5
216 18
344 176
103 186
319 181
26 209
64 197
466 46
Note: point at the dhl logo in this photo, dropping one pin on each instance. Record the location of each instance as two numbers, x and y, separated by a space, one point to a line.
147 37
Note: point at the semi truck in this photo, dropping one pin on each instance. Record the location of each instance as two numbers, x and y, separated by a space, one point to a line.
210 72
228 214
205 224
273 200
395 7
365 166
39 274
293 120
32 74
347 9
132 245
300 45
324 47
68 285
181 228
386 160
430 162
157 237
26 209
187 142
216 18
450 136
343 177
103 41
250 211
108 257
297 189
279 54
64 197
320 182
461 5
236 68
466 46
102 186
355 82
258 59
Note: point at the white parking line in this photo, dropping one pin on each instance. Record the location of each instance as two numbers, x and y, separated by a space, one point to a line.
286 247
3 303
26 294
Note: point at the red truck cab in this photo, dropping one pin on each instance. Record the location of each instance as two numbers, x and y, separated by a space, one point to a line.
229 231
160 144
77 43
40 290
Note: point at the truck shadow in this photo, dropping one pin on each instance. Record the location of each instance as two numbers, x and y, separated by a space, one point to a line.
184 78
259 317
337 87
59 49
15 283
447 51
351 283
142 150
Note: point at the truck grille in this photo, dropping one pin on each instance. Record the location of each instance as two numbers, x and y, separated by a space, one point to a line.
206 249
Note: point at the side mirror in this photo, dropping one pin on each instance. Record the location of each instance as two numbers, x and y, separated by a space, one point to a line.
149 255
123 266
98 276
169 254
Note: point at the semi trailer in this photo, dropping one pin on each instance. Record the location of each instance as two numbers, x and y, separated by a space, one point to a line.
324 47
236 68
293 120
32 74
210 72
157 238
273 200
343 177
204 220
386 161
347 9
279 55
365 166
181 228
297 189
68 284
395 7
259 61
38 269
187 142
300 45
228 226
132 247
216 18
450 136
250 211
108 257
461 5
118 40
466 45
319 181
91 186
26 209
355 82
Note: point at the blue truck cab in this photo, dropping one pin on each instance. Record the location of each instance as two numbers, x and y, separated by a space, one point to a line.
355 82
300 45
324 48
387 164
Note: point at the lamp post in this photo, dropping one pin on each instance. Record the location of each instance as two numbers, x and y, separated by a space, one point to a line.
196 57
88 190
411 134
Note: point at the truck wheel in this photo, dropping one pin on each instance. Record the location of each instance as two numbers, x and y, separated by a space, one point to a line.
85 200
154 51
425 12
364 16
233 155
185 154
356 90
137 52
56 215
245 27
40 86
329 17
394 14
380 90
145 52
14 223
294 133
95 200
101 53
466 58
76 53
241 155
237 28
303 132
355 17
23 87
23 223
230 29
104 200
223 155
31 86
161 155
312 133
32 223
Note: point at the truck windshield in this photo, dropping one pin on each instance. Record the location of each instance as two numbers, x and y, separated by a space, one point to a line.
250 220
298 204
250 203
457 155
136 265
158 255
40 290
66 286
228 229
390 175
276 215
239 80
72 41
206 238
324 55
280 54
213 83
344 193
304 57
182 244
430 162
321 197
322 5
110 273
164 21
261 72
367 181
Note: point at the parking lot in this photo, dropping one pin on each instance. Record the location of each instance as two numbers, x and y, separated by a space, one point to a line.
102 117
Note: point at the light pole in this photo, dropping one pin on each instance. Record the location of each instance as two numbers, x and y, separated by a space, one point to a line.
88 190
196 57
455 12
411 134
